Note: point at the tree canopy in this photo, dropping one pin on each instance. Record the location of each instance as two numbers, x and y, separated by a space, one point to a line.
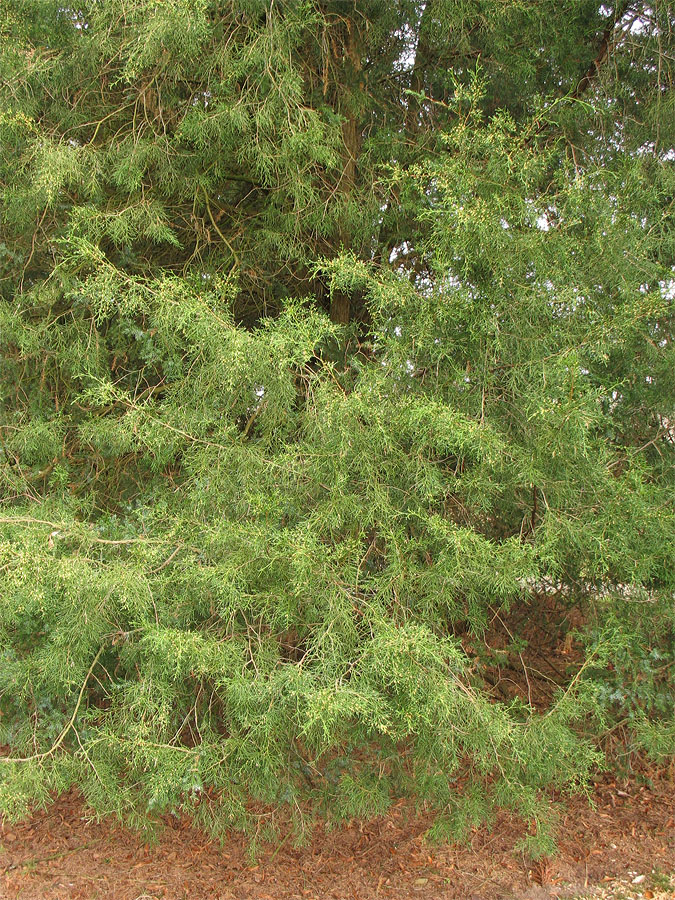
335 335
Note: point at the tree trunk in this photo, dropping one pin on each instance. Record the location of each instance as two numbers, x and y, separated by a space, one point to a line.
341 302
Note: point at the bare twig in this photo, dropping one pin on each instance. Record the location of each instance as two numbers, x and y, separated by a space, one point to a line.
60 739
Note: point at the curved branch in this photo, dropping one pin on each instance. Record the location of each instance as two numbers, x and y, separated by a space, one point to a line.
604 50
60 739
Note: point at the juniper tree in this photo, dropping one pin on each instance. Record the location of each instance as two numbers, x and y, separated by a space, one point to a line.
332 333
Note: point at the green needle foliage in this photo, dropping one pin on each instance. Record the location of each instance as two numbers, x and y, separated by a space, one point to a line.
335 336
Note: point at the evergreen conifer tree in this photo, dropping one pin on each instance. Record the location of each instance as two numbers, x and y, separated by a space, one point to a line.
332 335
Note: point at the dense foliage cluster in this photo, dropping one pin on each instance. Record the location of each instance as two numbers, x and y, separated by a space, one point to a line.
333 333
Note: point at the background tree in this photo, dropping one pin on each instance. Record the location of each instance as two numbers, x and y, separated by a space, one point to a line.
337 357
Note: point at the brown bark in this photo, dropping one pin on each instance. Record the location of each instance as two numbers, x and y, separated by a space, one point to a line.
341 303
604 49
340 308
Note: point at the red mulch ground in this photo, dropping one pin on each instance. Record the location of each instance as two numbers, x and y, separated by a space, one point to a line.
59 855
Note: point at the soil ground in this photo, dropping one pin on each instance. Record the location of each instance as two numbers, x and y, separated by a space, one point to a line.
624 847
